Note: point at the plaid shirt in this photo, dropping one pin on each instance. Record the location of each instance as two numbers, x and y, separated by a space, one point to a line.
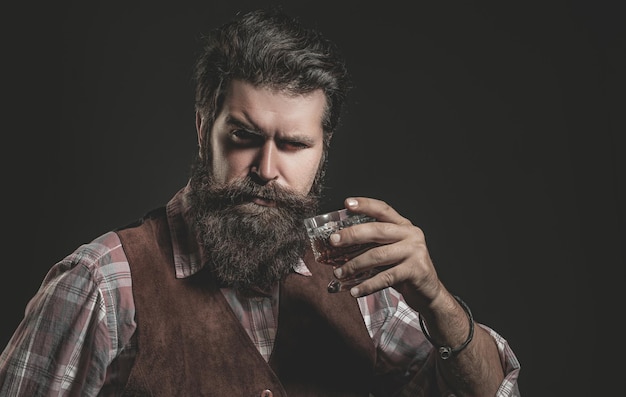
78 338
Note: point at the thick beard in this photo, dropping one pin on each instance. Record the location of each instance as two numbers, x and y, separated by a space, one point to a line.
247 246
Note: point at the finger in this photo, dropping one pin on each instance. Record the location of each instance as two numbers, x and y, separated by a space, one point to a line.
375 208
381 280
379 258
414 260
378 232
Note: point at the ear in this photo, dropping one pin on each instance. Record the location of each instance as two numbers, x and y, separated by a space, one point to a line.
199 128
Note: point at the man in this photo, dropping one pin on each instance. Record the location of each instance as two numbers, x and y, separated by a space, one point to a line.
217 294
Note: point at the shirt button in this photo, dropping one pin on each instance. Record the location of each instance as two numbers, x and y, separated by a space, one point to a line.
267 393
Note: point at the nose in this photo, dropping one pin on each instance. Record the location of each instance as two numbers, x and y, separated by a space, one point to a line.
266 163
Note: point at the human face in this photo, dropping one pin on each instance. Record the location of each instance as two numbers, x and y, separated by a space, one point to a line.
269 135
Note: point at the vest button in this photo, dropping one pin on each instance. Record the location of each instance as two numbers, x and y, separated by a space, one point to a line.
267 393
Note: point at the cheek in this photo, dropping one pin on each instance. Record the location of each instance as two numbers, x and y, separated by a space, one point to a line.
301 173
228 166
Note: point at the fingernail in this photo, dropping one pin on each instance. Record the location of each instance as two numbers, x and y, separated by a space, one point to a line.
352 203
338 272
354 292
335 237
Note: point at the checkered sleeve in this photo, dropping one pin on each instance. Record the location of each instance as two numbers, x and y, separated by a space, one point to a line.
404 355
70 333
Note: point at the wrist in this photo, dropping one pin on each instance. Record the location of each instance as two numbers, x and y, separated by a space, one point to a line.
447 350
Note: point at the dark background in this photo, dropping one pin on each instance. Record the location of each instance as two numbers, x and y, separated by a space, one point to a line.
497 128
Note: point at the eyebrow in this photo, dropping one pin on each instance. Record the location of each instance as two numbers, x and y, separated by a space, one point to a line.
231 120
250 126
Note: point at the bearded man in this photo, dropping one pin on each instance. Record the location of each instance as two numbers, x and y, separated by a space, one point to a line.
217 293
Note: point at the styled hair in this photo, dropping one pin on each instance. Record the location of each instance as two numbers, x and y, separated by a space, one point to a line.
269 48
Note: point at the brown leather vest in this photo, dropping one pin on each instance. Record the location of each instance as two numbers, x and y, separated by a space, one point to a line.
191 343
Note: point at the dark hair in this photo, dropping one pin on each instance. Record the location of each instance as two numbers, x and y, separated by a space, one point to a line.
270 48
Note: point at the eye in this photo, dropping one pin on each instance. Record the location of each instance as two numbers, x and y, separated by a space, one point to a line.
293 145
246 137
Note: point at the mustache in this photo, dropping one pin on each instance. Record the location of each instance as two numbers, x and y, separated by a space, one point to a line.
244 190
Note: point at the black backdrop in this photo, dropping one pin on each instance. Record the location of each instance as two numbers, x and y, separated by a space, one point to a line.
496 128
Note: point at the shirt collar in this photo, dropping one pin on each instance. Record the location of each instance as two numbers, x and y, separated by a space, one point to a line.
187 251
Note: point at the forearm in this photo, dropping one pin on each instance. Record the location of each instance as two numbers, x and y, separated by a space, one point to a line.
476 369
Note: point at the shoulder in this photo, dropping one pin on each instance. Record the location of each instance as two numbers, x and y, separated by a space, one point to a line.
101 258
95 271
93 280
